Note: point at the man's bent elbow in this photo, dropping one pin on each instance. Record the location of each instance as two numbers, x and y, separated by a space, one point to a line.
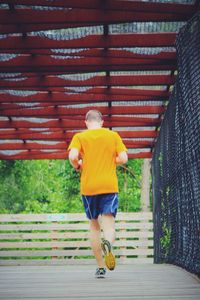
126 159
73 155
122 158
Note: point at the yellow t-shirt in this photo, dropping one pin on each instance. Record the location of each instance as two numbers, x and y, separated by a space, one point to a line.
98 149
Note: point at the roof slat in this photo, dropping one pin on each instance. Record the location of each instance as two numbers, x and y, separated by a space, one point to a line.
65 111
58 135
161 53
59 155
64 145
76 124
94 95
112 5
28 16
164 39
123 80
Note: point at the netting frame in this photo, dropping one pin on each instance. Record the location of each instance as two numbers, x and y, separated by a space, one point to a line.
176 161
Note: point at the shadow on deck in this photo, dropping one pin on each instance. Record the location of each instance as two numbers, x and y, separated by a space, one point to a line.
78 282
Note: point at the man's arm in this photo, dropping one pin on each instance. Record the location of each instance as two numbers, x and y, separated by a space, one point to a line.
122 158
74 159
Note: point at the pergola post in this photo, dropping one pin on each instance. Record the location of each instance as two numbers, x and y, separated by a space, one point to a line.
145 187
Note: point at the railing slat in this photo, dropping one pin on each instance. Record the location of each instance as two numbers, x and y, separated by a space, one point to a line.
74 252
71 244
68 217
75 235
69 226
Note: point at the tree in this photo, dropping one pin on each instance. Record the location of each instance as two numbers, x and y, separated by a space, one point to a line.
52 186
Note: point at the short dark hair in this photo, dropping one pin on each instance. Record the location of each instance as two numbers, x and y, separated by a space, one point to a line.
94 115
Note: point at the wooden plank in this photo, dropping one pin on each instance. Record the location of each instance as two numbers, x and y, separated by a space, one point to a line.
24 16
41 217
74 66
72 244
130 282
78 226
134 216
29 155
69 217
125 80
70 124
25 227
75 252
134 6
64 145
91 96
75 235
78 111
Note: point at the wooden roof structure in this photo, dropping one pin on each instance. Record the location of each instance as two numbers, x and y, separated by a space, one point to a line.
58 59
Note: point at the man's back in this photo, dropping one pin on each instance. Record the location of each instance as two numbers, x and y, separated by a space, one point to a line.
96 152
98 148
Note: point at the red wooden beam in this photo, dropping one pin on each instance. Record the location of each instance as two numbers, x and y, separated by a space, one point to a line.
59 135
24 28
61 111
91 41
49 64
118 118
94 52
93 95
72 91
63 145
13 106
76 124
64 17
40 61
6 106
138 134
140 155
90 68
118 92
112 5
58 103
123 80
37 154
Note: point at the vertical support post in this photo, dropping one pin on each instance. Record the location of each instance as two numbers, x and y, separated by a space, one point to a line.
122 247
54 239
145 188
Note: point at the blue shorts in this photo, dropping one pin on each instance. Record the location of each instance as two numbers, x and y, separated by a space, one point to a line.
100 204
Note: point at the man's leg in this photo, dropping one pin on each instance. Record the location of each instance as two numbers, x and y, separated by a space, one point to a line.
108 226
95 239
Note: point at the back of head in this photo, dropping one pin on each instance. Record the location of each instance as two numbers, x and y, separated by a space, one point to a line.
93 115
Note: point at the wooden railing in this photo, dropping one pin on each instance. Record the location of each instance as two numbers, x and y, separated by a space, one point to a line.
63 239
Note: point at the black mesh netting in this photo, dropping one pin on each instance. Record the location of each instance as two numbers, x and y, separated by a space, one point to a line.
176 161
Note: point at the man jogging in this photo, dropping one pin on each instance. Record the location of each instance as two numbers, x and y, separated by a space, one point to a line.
96 152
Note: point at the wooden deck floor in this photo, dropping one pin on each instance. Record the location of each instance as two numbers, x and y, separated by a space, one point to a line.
77 282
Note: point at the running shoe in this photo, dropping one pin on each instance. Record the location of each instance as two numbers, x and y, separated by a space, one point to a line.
100 273
108 255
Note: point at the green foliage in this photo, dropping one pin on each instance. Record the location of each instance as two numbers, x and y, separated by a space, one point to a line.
165 240
130 186
160 158
52 186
